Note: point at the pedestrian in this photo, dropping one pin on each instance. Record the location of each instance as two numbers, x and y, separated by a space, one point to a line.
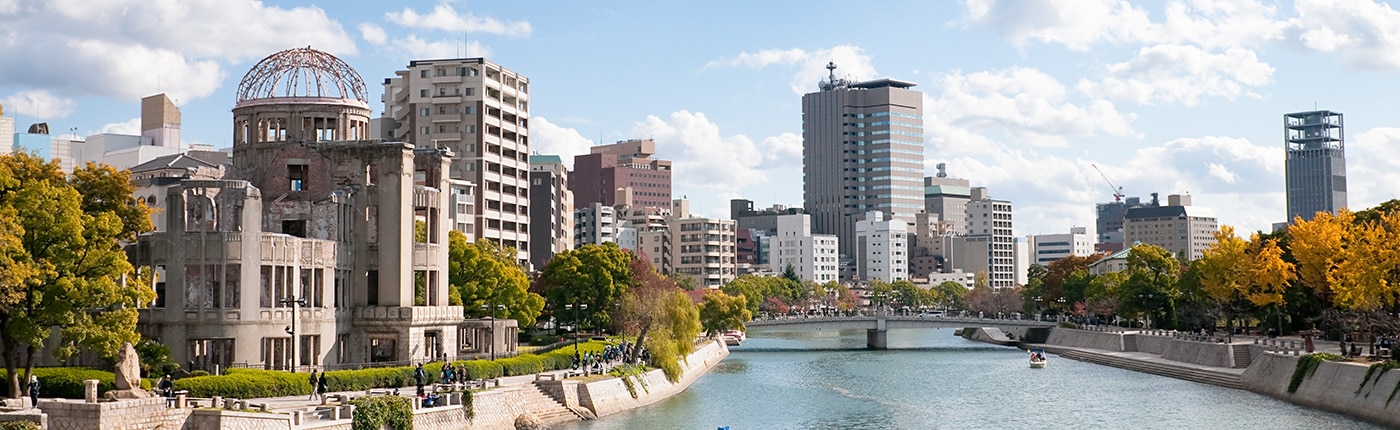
166 386
33 390
322 386
418 376
312 382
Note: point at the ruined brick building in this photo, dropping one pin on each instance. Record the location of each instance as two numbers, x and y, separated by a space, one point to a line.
319 247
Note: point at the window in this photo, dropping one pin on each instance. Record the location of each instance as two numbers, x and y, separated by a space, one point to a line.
382 349
424 92
372 287
310 350
471 91
425 111
423 73
471 110
296 175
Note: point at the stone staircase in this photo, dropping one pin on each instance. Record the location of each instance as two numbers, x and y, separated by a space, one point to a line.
1241 355
548 410
1178 372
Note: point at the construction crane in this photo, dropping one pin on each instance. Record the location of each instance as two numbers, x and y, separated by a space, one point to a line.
1117 191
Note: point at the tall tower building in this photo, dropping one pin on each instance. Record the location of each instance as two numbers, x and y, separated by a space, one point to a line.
1315 169
480 111
863 150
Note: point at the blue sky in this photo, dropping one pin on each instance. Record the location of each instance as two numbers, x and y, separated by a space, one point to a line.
1022 97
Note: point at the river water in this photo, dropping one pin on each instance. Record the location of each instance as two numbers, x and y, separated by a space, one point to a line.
932 379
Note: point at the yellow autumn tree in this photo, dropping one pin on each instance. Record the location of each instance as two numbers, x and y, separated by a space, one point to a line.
1317 247
1364 279
1269 274
1225 266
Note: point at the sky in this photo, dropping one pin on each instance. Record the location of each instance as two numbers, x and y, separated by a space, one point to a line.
1024 97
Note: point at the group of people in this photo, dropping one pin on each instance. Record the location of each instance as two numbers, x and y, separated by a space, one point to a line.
612 354
319 385
450 374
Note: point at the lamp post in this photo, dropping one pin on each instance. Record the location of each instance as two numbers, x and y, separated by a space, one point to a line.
292 329
491 330
576 307
1062 308
1037 309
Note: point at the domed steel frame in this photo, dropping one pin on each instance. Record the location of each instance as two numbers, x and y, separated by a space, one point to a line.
301 72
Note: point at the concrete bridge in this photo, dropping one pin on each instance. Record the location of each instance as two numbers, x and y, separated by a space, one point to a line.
875 326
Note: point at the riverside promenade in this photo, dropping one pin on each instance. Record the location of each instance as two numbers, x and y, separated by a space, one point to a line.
1257 364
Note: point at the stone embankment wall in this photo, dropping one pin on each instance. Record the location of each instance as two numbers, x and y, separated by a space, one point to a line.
610 396
133 414
1335 386
1106 341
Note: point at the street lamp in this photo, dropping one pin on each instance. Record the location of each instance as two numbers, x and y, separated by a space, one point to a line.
1037 309
1062 308
292 329
576 306
491 330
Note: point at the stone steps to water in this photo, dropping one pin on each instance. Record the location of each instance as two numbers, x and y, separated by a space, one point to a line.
1179 372
546 408
1242 358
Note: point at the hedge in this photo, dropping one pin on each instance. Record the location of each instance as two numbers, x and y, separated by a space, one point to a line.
67 382
378 412
247 384
253 383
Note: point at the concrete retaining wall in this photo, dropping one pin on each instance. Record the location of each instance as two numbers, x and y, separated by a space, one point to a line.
610 396
1086 339
1333 387
1153 344
135 414
1202 353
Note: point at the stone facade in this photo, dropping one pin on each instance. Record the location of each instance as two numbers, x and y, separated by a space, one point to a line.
138 414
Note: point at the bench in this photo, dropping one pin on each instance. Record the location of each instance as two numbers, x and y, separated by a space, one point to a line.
379 392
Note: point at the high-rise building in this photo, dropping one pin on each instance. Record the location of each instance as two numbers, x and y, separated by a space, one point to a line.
595 224
811 256
947 198
882 248
626 166
1108 223
992 218
480 111
1045 248
1315 169
704 248
7 132
1177 227
551 209
863 150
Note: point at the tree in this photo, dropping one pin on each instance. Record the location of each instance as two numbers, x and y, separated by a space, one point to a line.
950 293
61 262
487 276
684 280
1152 279
846 299
720 312
1317 247
907 294
644 304
591 275
672 341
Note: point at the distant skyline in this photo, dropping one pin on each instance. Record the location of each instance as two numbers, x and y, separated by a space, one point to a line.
1021 97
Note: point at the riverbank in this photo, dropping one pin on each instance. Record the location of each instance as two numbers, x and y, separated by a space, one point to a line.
526 401
1259 365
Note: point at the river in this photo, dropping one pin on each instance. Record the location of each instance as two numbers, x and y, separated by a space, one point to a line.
932 379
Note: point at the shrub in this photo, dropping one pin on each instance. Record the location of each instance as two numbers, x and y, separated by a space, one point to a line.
67 382
523 364
482 369
247 384
199 373
1307 364
18 425
377 412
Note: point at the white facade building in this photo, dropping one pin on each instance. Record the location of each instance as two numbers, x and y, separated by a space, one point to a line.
1046 248
812 257
881 249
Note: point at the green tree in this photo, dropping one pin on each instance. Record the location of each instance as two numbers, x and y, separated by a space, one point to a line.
62 268
720 312
755 289
950 294
907 294
881 293
644 305
1151 286
486 277
591 275
672 341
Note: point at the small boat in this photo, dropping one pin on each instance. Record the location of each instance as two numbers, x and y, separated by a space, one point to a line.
733 337
1037 358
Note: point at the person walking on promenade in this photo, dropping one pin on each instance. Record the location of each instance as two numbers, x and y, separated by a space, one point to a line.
33 390
312 382
418 376
322 386
166 387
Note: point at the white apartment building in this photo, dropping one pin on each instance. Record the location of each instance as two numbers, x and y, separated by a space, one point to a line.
1046 248
480 111
881 248
992 218
595 224
814 257
704 248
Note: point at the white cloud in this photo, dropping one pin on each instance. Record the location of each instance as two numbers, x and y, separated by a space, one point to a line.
178 47
9 6
129 127
548 138
1365 33
1373 155
702 157
445 18
1079 25
37 103
851 63
782 150
1026 104
373 34
1219 171
1181 75
1208 164
422 49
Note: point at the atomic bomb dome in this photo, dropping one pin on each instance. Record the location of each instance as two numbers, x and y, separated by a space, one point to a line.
300 95
301 73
